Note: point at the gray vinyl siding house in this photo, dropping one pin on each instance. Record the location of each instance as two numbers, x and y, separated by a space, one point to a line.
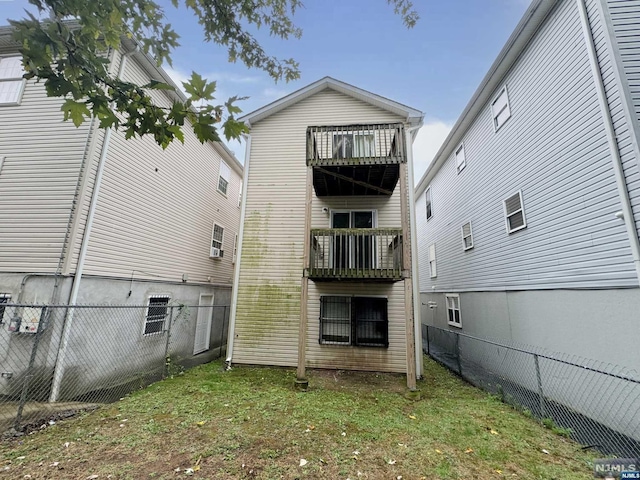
533 201
152 227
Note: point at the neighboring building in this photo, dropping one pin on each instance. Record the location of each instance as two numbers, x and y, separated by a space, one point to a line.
163 223
321 279
529 215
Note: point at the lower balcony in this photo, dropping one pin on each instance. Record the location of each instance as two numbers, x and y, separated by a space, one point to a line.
360 254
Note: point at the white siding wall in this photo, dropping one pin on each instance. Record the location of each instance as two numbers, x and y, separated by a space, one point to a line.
38 178
156 209
623 16
268 310
554 149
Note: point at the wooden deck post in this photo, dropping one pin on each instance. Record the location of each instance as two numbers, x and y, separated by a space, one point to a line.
408 286
301 380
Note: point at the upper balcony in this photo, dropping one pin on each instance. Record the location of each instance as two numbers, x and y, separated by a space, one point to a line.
356 159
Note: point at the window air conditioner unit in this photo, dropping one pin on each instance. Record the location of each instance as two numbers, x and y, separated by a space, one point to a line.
216 253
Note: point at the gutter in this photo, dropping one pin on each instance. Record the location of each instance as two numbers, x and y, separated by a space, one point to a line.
627 212
68 322
236 273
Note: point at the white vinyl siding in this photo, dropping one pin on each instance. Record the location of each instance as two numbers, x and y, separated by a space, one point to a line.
11 81
556 150
268 305
500 109
453 310
514 213
130 234
223 178
461 160
467 236
428 203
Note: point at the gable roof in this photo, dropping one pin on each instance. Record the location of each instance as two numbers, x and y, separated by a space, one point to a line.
412 116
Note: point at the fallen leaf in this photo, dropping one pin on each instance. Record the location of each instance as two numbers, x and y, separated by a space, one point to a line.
439 451
499 472
493 432
399 477
469 450
391 462
92 477
344 434
54 464
189 471
196 468
21 458
66 444
356 452
412 417
201 423
311 427
303 462
545 451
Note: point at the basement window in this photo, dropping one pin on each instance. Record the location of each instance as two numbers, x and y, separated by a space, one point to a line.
11 81
514 213
356 321
4 299
157 311
453 310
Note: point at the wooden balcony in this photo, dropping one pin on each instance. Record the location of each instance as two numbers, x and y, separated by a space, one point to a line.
356 159
360 254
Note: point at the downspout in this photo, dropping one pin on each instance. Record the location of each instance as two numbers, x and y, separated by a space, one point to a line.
68 323
236 273
627 212
417 321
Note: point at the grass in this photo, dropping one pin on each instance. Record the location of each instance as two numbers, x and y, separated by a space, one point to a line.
252 423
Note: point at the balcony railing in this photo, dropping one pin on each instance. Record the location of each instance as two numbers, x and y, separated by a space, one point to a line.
356 145
356 254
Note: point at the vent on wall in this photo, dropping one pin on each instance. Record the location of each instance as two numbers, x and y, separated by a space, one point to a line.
514 213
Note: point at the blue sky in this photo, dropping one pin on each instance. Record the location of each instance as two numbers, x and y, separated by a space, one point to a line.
434 67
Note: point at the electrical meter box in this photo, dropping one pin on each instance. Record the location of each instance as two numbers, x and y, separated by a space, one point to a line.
31 317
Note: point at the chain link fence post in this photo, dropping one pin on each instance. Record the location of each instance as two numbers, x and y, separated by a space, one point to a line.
543 413
167 360
457 346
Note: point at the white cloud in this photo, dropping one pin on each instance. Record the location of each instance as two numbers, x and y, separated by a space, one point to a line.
426 145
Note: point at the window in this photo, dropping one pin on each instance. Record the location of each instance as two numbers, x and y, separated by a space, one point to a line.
157 310
240 194
432 261
223 179
467 236
4 299
453 310
353 145
500 110
216 241
514 213
357 321
461 160
235 248
11 81
427 195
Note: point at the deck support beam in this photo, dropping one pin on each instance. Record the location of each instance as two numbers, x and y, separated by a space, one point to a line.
301 374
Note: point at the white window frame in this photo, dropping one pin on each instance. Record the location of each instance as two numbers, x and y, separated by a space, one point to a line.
235 248
4 299
146 314
460 164
240 193
470 236
433 270
13 79
495 114
428 203
224 169
455 308
221 241
508 215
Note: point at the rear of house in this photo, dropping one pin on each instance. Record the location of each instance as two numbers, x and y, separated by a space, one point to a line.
324 276
162 232
528 217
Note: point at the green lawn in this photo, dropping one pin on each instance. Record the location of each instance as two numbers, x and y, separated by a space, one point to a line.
252 423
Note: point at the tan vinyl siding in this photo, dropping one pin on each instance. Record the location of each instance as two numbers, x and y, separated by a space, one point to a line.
268 305
156 209
38 178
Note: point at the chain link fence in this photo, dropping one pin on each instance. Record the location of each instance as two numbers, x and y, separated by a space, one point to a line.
56 360
595 403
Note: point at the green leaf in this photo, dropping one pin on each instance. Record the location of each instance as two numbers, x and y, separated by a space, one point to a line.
76 111
155 85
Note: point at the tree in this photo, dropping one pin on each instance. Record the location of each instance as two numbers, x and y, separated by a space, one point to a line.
69 53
